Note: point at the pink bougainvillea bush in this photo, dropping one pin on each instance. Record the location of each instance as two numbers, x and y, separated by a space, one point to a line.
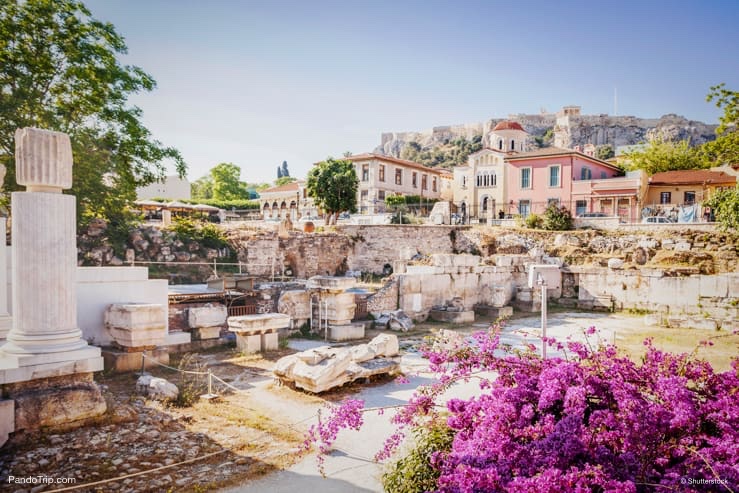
591 421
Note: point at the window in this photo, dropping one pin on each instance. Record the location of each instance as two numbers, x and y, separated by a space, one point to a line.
585 173
554 176
689 198
603 175
398 176
414 179
425 182
524 207
363 195
525 177
500 144
365 172
581 207
382 172
513 144
381 195
665 197
464 181
553 201
433 183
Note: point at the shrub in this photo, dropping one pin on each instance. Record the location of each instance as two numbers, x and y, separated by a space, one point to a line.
590 421
415 472
557 218
533 221
207 234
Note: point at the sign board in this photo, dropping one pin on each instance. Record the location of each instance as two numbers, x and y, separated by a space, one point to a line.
550 273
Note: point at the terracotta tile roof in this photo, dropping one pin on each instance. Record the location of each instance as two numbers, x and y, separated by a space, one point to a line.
508 125
689 176
556 151
390 159
287 187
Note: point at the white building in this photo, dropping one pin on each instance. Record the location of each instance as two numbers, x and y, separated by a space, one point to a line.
173 187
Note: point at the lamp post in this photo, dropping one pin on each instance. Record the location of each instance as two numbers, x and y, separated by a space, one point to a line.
543 283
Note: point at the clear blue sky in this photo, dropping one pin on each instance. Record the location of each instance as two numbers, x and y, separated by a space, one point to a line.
256 83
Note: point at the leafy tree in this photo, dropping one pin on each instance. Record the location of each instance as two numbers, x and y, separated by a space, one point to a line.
59 70
725 149
604 152
725 207
202 188
284 180
662 154
333 185
285 171
226 183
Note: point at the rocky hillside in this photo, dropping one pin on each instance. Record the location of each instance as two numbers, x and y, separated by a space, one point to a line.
568 130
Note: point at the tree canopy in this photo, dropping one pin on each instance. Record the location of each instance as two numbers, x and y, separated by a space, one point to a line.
662 154
284 180
333 185
226 182
725 149
59 70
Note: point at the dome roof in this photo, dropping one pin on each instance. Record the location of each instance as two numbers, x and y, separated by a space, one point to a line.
508 125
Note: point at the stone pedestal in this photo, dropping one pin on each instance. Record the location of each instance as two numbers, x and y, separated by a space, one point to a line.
460 317
136 325
44 344
125 361
255 333
349 332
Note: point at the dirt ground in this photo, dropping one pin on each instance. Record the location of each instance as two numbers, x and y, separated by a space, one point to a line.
201 445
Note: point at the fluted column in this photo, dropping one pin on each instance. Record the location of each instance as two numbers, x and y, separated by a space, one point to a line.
44 251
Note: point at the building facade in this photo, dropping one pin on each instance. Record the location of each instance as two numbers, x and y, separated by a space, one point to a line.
480 187
172 187
381 176
289 200
539 178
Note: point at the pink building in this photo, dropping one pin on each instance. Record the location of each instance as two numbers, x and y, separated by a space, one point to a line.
553 174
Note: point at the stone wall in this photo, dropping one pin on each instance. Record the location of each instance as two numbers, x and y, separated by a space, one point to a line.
385 299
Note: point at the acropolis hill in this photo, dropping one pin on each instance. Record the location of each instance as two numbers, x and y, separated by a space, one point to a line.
569 126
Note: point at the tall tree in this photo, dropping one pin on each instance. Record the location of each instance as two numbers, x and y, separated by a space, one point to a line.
662 154
202 188
226 183
333 185
279 172
285 171
59 70
725 149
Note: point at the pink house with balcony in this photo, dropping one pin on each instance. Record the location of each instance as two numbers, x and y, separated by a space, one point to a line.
564 176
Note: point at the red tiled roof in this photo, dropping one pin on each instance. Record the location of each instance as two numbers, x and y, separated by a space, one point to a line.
508 125
556 151
390 159
689 176
287 187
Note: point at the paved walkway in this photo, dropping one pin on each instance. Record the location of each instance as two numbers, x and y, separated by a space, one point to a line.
351 468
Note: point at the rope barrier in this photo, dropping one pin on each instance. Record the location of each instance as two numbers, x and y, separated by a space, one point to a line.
190 372
105 481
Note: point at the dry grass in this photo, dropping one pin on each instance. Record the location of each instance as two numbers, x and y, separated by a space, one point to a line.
725 345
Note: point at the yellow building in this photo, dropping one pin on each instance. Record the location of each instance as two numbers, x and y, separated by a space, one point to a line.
685 187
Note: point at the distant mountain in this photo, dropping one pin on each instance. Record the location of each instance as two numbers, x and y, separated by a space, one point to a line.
449 145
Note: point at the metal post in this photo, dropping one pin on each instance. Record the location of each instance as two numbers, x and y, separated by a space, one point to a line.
210 382
325 314
543 285
143 361
215 268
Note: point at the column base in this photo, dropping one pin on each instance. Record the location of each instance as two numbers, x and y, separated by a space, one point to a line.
22 368
6 323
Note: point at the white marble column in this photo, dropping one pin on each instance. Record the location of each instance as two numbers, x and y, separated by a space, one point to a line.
44 328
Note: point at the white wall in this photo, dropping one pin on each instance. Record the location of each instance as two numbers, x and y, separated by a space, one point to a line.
98 287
